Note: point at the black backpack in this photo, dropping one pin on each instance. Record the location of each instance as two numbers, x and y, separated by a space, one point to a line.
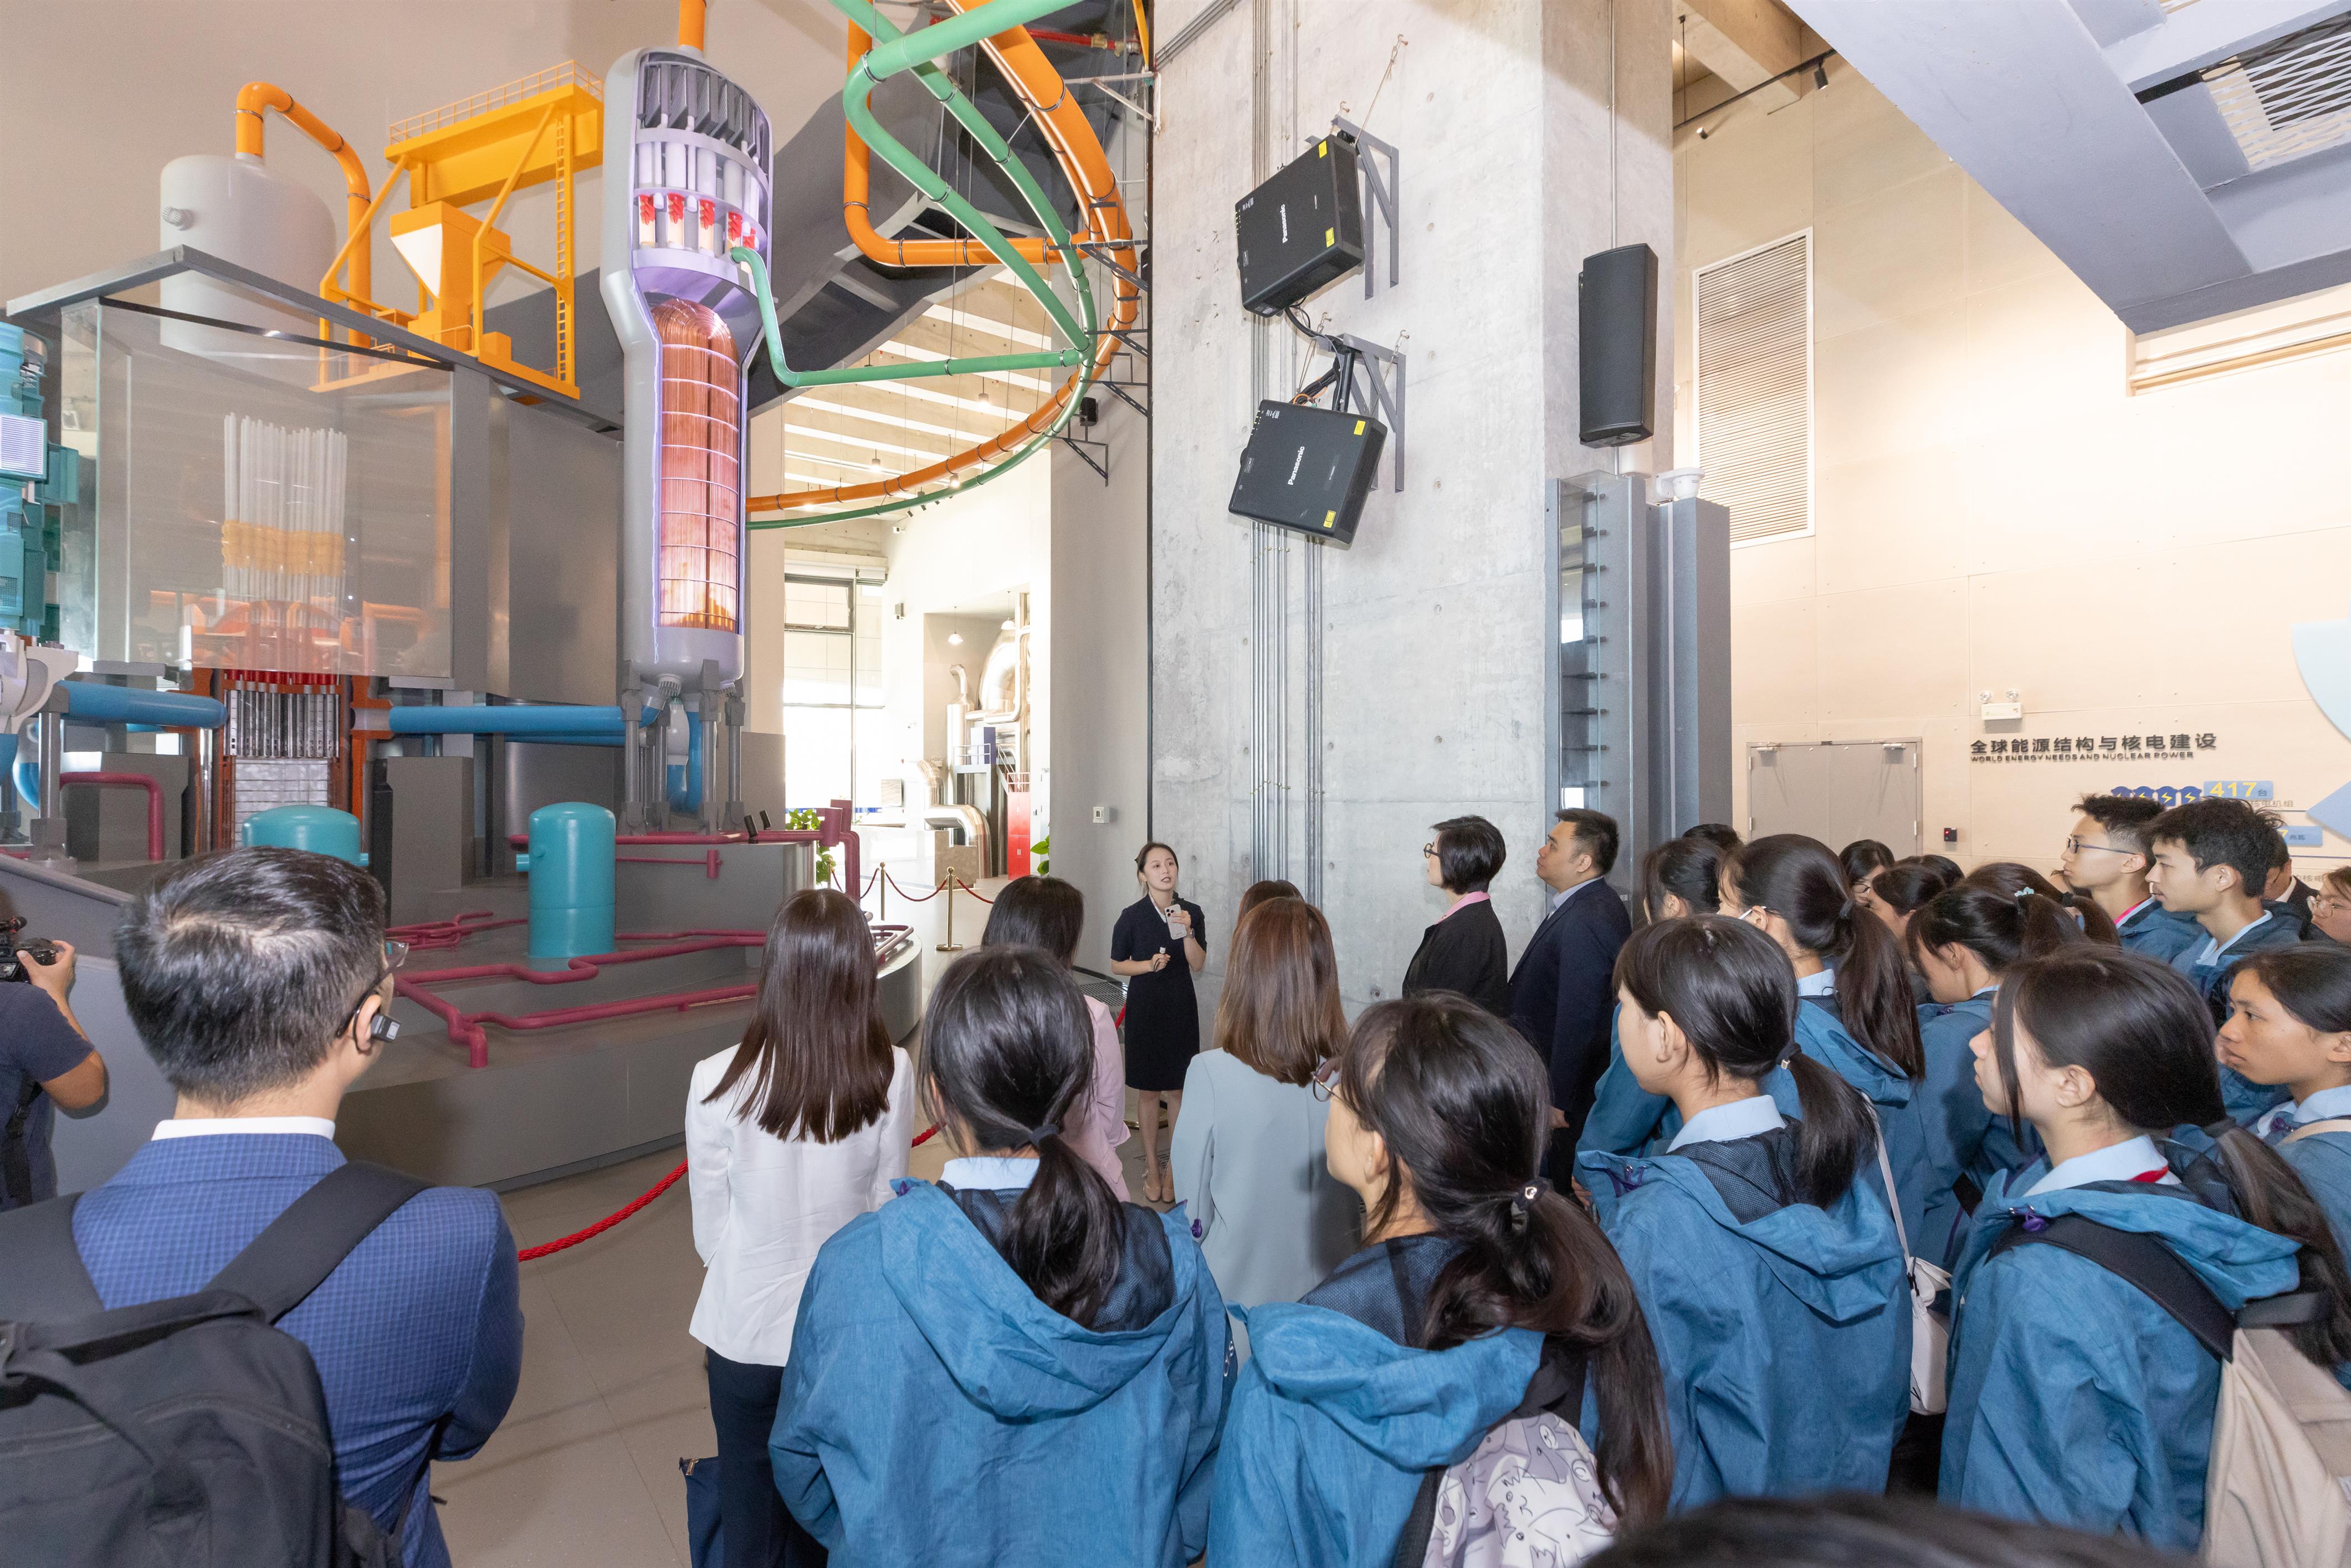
188 1431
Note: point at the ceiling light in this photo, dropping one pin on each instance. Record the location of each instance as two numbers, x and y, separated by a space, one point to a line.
1820 78
955 639
1701 132
876 464
1008 626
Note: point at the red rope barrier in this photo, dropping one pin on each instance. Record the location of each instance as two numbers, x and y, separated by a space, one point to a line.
971 890
602 1226
914 897
659 1187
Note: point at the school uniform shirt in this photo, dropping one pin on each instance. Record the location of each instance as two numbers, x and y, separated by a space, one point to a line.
1626 1119
2208 965
2323 1160
2147 927
1966 1144
1783 1330
2074 1399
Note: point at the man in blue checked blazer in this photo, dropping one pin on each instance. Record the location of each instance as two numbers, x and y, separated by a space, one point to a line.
256 978
1563 992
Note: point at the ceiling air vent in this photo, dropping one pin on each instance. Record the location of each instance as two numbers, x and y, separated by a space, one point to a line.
2288 98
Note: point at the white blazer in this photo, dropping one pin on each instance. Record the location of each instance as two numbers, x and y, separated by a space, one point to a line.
764 1204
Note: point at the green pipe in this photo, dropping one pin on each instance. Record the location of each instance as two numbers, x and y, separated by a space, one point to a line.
903 54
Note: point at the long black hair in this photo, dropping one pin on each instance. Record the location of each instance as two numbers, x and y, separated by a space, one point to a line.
1797 879
2143 1034
1042 912
1997 928
816 1052
1689 869
1008 1054
2011 880
1733 994
1464 1108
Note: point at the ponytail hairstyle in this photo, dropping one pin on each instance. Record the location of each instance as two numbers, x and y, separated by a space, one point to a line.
1911 886
1731 989
1464 1108
1998 929
1797 879
1008 1054
2143 1034
1944 864
2011 880
1691 869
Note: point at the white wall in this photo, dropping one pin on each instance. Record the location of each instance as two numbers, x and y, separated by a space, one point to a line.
1100 655
102 95
1992 509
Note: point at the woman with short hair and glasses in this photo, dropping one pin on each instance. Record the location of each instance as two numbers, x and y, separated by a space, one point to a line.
2330 911
1464 952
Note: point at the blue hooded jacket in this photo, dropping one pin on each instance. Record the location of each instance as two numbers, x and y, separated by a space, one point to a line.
1629 1120
2074 1399
935 1411
2244 1098
1784 1336
1332 1426
1963 1138
2160 933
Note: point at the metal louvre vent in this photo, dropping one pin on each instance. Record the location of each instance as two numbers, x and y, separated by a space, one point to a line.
2288 98
23 452
1754 416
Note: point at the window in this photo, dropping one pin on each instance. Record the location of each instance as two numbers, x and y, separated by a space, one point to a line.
832 668
1754 352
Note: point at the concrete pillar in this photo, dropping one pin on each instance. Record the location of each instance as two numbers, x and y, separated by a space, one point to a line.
1433 642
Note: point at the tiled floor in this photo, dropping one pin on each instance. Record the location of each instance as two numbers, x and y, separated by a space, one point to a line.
583 1474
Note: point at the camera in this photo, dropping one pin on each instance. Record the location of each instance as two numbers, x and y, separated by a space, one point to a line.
12 965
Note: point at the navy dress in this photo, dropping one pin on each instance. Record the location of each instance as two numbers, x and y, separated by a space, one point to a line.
1163 1016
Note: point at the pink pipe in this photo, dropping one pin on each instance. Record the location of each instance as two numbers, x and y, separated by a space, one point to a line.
466 1028
154 801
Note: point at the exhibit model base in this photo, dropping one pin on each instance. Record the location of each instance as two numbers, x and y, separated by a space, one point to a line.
506 1071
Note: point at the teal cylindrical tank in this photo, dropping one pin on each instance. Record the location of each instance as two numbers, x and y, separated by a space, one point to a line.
570 881
320 829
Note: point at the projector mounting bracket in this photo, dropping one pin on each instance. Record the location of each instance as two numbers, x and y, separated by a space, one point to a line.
1387 193
1372 378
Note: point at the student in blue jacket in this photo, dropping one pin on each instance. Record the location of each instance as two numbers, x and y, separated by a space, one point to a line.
1771 1277
1680 877
1963 942
1012 1365
2290 1023
2211 861
1857 1020
2074 1398
2107 857
1479 1291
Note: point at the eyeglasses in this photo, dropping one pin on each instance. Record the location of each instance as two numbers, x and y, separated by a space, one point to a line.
395 954
1325 1082
2074 845
2329 903
1429 849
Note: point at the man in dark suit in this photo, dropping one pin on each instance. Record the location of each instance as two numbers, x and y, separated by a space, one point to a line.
1563 993
255 979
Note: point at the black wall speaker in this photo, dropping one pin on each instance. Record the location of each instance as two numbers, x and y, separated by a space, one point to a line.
1617 300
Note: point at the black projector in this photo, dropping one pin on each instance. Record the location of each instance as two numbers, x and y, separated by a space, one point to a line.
1301 229
1308 468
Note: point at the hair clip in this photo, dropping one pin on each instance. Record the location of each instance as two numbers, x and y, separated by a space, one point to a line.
1527 1196
1037 1135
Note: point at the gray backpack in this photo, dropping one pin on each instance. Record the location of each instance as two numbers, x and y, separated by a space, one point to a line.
1529 1493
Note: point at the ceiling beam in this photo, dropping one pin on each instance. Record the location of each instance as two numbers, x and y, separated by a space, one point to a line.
1745 42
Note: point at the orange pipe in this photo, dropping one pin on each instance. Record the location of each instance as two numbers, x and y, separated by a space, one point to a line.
689 23
255 96
856 190
1078 151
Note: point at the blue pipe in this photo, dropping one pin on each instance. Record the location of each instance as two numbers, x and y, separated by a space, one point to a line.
95 703
522 719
